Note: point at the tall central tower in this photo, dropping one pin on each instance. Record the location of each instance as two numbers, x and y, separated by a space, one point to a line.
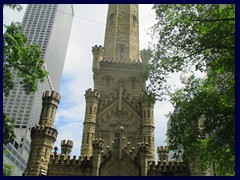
122 32
117 99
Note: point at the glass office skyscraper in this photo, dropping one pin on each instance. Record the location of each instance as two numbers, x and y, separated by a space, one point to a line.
49 26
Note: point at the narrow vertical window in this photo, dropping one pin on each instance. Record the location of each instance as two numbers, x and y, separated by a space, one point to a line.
149 139
90 110
52 112
92 136
87 138
46 151
94 110
111 18
134 20
121 52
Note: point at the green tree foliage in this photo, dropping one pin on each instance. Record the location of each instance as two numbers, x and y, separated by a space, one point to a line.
8 132
17 7
26 60
191 38
7 168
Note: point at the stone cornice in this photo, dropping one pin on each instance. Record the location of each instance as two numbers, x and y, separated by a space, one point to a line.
126 64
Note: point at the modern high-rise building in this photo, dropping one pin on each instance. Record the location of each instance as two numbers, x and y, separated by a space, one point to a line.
49 26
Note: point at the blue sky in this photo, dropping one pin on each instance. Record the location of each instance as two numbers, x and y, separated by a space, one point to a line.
88 29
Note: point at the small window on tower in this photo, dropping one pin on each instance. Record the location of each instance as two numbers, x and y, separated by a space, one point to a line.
90 110
121 52
94 110
149 139
88 138
111 18
134 20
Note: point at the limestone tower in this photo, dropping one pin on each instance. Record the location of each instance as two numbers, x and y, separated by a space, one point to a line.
43 136
117 98
122 32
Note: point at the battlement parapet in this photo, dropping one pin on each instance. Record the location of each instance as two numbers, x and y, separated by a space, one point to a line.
67 143
169 166
162 149
97 49
44 131
53 95
64 160
143 147
122 61
98 143
121 64
92 93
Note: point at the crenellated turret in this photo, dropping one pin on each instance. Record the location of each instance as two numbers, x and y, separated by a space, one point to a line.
66 147
148 125
50 101
97 52
145 56
143 152
162 153
97 152
92 98
43 136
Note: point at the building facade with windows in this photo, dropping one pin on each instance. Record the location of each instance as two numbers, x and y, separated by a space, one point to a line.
49 26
